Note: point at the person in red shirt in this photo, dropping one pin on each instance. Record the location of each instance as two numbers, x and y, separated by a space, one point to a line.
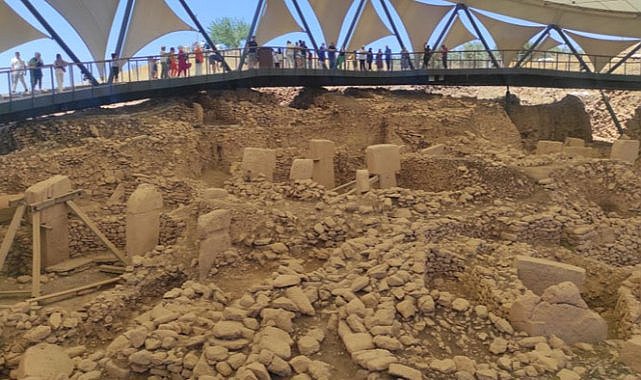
444 51
200 58
183 62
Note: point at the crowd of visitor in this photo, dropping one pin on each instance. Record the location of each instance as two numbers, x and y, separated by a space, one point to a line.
178 62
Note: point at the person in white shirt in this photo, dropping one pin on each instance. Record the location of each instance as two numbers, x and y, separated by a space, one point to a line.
61 67
18 67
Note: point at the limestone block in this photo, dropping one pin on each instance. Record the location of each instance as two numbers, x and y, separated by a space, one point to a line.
215 193
323 152
46 361
217 220
434 150
301 169
210 250
548 147
55 238
574 142
384 160
143 220
258 161
362 181
625 150
539 274
580 151
561 312
631 353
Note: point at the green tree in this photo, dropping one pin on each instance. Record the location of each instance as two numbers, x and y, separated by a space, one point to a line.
228 31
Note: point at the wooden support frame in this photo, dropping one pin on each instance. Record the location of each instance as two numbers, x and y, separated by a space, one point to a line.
37 226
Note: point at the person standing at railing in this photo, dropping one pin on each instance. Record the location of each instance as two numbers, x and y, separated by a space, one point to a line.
152 63
114 69
173 63
277 57
353 56
199 58
60 66
322 52
362 57
183 62
340 61
35 66
405 59
379 60
164 63
427 52
18 67
370 58
444 52
388 58
252 52
331 55
289 55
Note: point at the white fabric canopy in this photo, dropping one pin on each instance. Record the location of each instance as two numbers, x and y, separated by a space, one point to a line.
600 52
331 15
275 21
92 19
370 28
420 20
15 30
548 43
457 35
606 22
508 37
150 20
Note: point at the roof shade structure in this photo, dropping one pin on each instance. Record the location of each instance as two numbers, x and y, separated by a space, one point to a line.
14 30
91 19
330 15
276 20
150 20
600 52
420 19
370 28
457 35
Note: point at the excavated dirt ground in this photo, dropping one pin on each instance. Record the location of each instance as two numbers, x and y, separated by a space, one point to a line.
414 282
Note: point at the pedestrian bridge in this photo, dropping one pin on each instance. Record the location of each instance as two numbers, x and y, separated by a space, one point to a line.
138 82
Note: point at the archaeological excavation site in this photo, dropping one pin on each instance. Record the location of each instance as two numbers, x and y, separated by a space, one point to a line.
325 233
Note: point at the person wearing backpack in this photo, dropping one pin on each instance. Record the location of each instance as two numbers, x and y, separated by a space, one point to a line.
35 68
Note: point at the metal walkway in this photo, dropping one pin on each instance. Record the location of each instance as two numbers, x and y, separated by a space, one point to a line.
94 96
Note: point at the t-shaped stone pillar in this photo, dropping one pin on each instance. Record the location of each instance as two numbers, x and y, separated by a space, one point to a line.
54 219
625 150
213 233
384 160
143 220
323 152
257 161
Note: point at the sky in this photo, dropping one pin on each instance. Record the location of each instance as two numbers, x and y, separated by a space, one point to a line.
206 11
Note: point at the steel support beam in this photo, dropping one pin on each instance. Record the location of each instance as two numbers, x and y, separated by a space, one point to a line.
572 48
202 31
447 27
528 53
305 25
624 59
613 114
350 31
123 27
480 35
60 42
252 29
395 29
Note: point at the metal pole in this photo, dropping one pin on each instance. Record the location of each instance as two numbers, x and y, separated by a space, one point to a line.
302 17
529 52
202 30
59 40
624 59
394 28
447 26
480 35
252 28
574 51
613 114
359 10
123 30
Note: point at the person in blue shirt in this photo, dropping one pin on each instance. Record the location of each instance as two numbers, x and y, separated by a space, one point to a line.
322 55
370 59
388 58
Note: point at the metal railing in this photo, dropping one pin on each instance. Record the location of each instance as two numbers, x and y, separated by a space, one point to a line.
149 68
